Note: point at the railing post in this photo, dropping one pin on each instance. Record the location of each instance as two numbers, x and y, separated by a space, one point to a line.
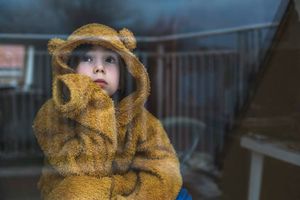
159 80
29 68
241 66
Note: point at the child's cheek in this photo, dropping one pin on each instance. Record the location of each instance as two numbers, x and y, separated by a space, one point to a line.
83 69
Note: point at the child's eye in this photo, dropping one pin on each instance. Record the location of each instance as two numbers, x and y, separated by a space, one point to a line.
111 60
86 58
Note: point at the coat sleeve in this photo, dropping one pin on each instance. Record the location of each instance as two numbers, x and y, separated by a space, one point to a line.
155 164
55 187
77 135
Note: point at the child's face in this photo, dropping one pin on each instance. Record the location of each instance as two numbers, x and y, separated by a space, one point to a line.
102 66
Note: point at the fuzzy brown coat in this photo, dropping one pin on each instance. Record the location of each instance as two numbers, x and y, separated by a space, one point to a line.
93 148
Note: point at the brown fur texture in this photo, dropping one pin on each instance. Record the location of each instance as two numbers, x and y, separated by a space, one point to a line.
93 148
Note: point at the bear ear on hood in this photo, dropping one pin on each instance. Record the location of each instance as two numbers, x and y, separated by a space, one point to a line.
53 44
127 38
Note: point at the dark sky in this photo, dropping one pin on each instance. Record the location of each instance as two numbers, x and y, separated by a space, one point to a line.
154 17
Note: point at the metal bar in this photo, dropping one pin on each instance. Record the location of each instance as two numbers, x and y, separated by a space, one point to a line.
241 66
179 98
256 51
159 80
168 85
31 117
202 95
201 34
173 98
193 83
29 68
221 66
185 72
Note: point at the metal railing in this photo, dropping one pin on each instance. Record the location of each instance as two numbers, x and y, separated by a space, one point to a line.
208 84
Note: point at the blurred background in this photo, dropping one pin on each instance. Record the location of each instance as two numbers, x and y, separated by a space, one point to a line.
219 70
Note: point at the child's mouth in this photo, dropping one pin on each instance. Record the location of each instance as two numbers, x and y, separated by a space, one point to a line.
101 82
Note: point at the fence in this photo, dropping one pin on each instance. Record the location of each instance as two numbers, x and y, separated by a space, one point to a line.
208 84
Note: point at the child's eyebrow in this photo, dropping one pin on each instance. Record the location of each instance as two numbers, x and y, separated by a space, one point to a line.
111 53
106 52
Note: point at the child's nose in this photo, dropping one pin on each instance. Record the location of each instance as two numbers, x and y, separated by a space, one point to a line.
99 67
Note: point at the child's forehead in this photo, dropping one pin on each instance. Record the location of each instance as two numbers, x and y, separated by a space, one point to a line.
98 48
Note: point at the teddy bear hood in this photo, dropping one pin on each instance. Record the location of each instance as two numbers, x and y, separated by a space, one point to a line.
122 42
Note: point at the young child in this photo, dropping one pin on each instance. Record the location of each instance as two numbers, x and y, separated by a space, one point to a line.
96 146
